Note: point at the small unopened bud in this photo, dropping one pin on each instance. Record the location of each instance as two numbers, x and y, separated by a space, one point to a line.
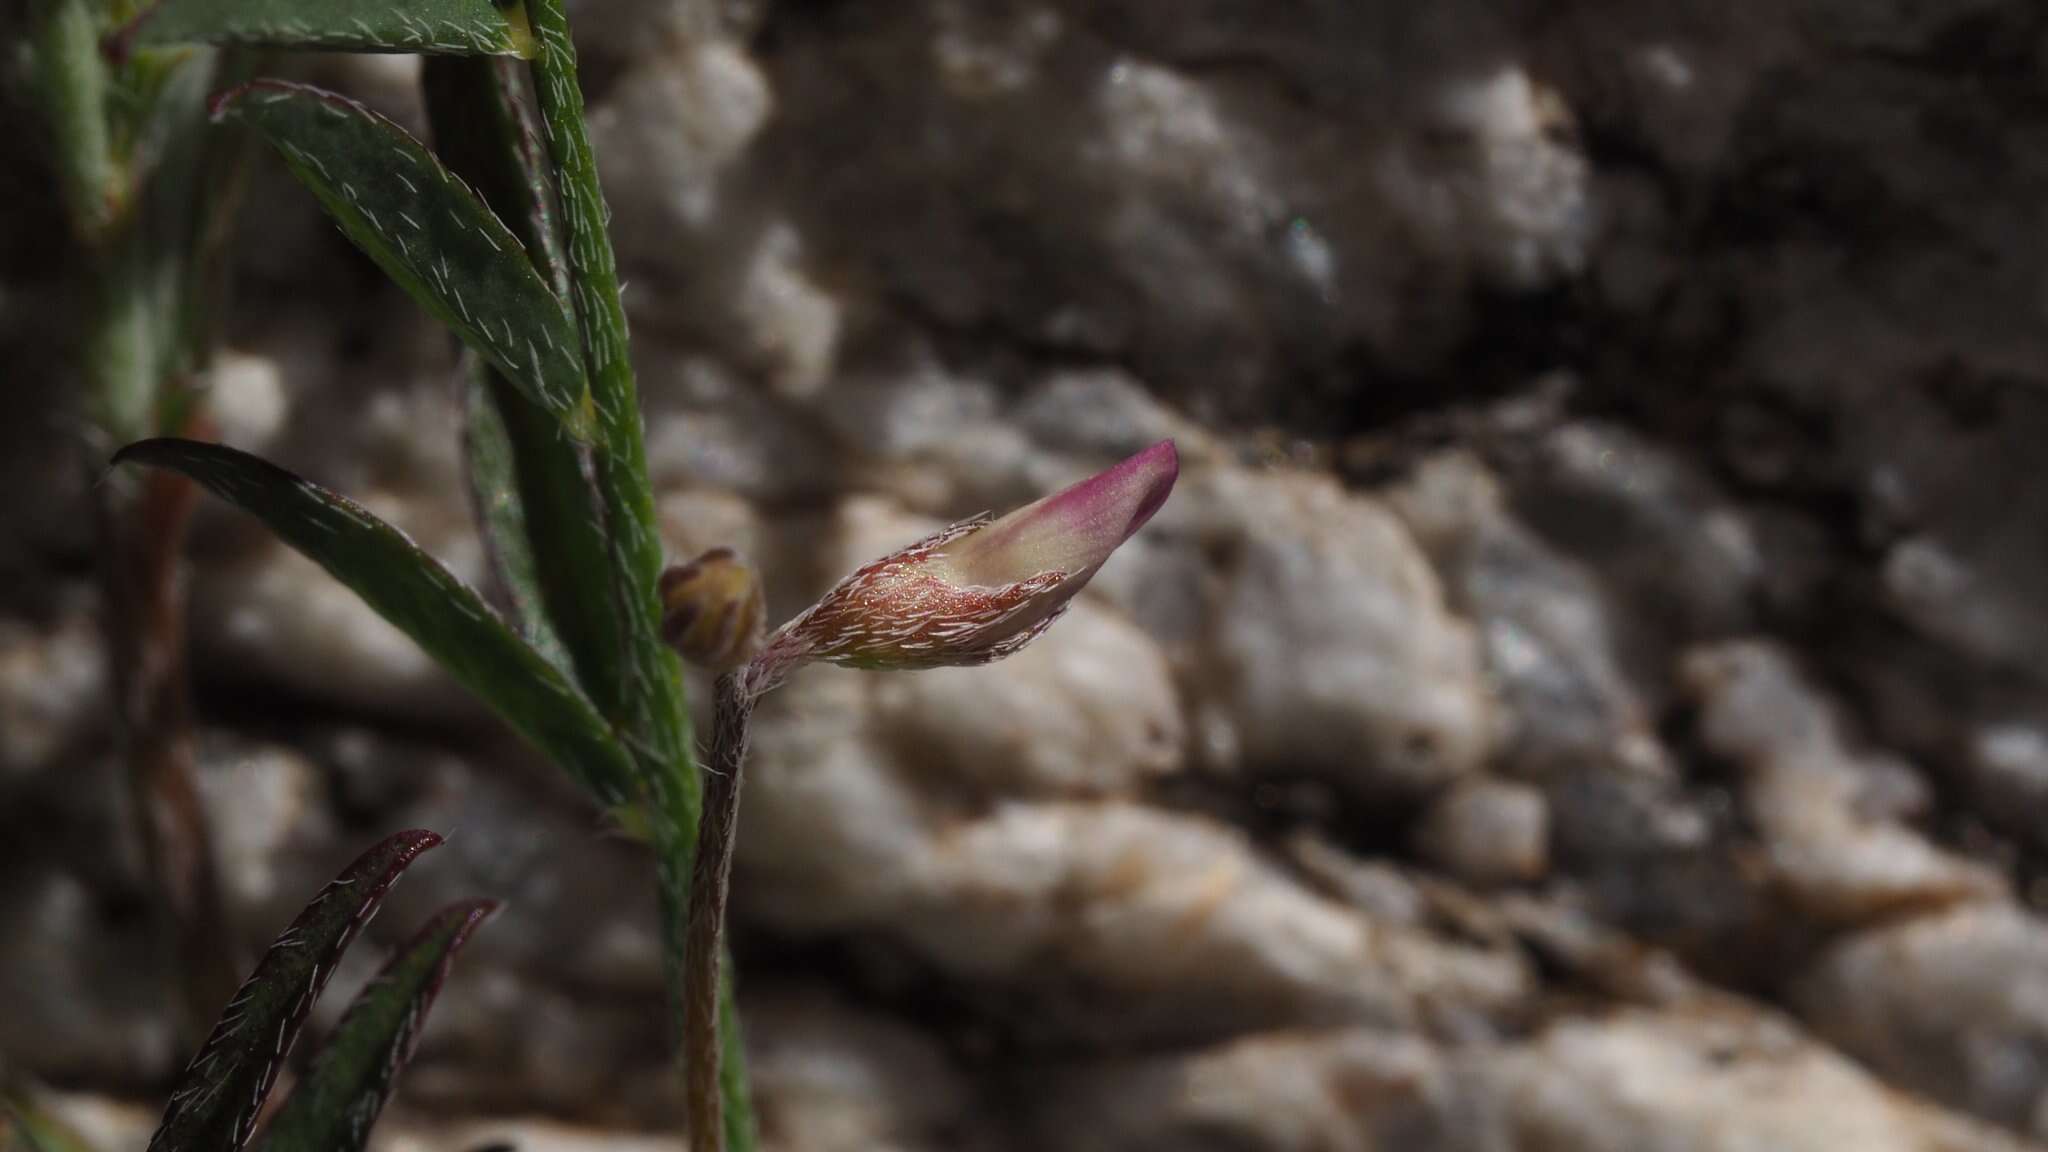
712 610
982 589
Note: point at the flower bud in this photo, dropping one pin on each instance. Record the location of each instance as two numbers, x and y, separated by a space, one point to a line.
712 610
983 588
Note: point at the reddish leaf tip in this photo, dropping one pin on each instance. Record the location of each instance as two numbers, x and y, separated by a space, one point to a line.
466 917
416 840
217 107
471 914
475 911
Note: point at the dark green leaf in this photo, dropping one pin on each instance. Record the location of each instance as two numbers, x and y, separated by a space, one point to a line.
413 591
428 232
501 515
484 132
459 27
333 1109
648 699
217 1099
645 694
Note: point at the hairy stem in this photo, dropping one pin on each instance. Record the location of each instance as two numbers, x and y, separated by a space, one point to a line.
645 696
133 222
641 685
710 878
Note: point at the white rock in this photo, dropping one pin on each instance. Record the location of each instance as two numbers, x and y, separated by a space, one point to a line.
1709 1080
106 1125
261 801
248 398
83 997
791 323
696 519
1498 183
671 127
1088 708
1338 1091
53 687
830 1079
1320 637
1841 857
1488 832
2007 763
1954 1005
1153 911
830 838
987 52
270 612
1716 1079
1947 597
1157 913
1680 557
709 426
259 608
1105 412
1549 629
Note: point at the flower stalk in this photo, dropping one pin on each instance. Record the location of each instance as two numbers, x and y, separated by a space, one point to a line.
734 697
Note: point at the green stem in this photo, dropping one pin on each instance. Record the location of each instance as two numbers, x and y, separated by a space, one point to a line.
650 698
645 683
481 133
72 79
121 356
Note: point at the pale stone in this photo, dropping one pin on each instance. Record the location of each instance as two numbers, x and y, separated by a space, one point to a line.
1488 832
1839 855
1954 1005
53 687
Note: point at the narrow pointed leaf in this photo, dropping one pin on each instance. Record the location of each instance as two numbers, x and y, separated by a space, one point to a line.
485 134
645 692
218 1097
484 130
333 1108
500 513
428 232
412 590
458 27
649 697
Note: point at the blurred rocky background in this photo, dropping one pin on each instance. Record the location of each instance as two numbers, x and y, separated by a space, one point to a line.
1589 690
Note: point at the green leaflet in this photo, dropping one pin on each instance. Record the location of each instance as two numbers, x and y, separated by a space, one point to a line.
413 591
217 1099
333 1109
428 232
456 27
